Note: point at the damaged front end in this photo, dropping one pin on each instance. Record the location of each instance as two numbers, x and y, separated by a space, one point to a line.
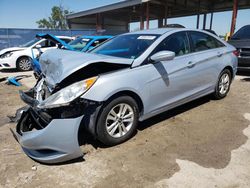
48 129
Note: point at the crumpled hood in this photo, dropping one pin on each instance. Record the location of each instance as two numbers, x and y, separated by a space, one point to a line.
11 49
58 64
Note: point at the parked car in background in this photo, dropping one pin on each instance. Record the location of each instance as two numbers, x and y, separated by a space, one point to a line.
130 78
20 57
85 43
241 41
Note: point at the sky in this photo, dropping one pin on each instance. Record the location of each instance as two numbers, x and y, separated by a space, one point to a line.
25 13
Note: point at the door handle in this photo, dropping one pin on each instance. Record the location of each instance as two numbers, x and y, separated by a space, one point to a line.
191 64
219 54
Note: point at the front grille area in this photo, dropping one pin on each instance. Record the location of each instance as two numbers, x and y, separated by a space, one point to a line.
31 120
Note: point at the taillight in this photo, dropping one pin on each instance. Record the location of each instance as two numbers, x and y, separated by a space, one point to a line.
236 53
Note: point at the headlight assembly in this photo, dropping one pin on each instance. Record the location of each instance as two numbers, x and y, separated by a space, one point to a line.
66 95
6 55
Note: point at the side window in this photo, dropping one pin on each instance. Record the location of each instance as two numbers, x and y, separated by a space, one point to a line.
177 43
66 40
43 44
51 44
202 41
97 42
46 44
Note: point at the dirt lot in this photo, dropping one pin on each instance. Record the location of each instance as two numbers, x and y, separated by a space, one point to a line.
205 143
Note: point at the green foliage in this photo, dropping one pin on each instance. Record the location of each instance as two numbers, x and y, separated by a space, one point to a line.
57 19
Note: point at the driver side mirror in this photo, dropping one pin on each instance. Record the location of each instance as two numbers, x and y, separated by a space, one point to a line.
163 56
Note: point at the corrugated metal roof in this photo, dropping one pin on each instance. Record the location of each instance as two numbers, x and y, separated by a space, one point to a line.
106 8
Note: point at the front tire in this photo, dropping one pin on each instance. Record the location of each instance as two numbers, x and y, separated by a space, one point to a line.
223 84
24 64
117 121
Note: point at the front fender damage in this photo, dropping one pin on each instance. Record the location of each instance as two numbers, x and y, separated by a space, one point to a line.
52 135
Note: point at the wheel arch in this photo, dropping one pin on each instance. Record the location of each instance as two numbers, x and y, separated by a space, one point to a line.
90 121
129 93
230 69
21 56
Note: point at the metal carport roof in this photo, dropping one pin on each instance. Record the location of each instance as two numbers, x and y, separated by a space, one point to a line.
119 15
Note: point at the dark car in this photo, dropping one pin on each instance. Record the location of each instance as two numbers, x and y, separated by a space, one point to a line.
241 41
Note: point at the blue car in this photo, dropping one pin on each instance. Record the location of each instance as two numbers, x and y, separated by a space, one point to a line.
82 44
85 43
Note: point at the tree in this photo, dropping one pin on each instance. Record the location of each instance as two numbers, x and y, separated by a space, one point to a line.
57 20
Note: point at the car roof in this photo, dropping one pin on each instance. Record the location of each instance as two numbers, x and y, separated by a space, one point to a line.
63 37
159 31
97 37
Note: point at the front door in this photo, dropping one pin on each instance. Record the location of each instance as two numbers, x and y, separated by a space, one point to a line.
174 80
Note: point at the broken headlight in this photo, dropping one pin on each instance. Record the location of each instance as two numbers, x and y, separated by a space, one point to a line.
66 95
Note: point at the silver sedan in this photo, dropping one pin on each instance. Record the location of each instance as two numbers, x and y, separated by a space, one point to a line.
127 79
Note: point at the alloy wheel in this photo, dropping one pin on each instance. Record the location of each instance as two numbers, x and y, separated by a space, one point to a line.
119 120
224 83
25 64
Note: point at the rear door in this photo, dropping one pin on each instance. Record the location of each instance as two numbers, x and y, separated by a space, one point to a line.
208 53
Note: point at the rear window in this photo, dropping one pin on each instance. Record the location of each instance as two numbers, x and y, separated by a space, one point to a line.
202 41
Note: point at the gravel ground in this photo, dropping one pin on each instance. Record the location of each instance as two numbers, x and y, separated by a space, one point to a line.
205 143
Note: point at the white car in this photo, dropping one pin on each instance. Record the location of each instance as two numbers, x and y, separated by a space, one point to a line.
20 57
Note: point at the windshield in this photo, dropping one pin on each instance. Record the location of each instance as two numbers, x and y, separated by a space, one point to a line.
127 46
79 43
30 43
243 33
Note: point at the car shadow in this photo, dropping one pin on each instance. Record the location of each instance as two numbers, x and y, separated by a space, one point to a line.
244 73
173 112
8 70
246 79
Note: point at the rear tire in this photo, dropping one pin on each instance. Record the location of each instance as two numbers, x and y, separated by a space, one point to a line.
24 64
117 121
223 84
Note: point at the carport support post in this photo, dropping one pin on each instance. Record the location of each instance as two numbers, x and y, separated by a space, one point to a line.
211 20
198 15
98 22
147 16
198 21
160 22
204 20
142 18
234 17
166 15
